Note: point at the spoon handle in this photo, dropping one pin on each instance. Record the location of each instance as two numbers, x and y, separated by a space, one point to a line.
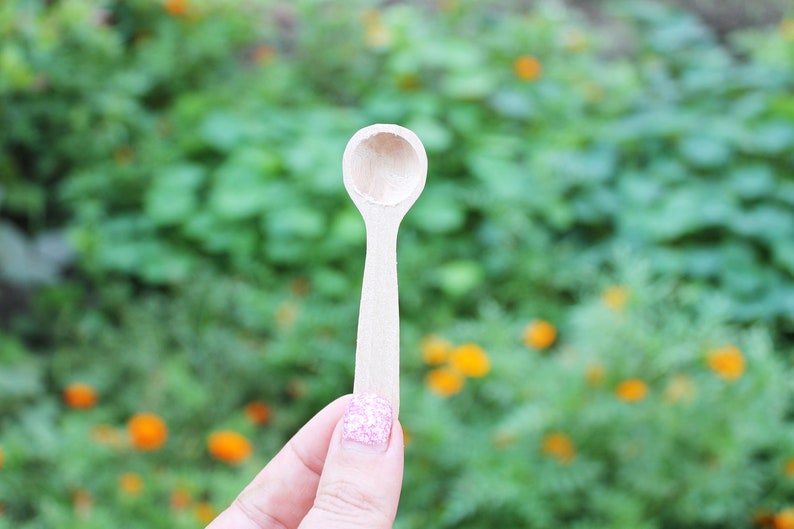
378 342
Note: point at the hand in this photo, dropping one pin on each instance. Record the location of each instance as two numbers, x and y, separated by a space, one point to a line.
343 469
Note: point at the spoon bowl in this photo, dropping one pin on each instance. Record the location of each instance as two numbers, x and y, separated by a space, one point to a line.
385 165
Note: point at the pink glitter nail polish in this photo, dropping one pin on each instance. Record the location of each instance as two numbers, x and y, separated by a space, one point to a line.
367 420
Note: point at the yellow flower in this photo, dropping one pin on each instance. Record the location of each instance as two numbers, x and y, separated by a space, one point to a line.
376 34
131 483
471 360
527 68
539 334
560 447
575 41
595 374
435 350
204 512
727 362
105 434
615 297
229 447
444 381
631 390
680 388
789 468
784 519
286 314
503 439
787 28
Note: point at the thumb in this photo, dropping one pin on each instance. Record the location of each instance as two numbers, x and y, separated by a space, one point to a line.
362 476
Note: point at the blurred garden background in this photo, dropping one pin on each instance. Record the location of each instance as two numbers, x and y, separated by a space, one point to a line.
597 284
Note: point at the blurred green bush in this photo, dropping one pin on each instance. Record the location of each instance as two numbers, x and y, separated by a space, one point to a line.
190 152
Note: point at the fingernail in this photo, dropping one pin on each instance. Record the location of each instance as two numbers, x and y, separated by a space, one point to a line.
367 420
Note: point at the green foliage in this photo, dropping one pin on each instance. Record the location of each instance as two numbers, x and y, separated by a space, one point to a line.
208 141
193 160
698 450
226 344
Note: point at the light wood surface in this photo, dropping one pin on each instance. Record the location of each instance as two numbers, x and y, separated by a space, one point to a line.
384 168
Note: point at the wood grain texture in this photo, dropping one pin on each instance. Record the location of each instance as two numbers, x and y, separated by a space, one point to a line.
384 168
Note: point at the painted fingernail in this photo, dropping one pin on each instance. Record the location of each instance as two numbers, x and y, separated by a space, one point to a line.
367 420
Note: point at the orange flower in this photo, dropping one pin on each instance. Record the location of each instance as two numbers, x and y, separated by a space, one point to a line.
204 512
176 7
131 483
788 467
435 350
180 499
444 381
527 67
83 503
785 519
632 390
80 396
263 55
471 360
229 447
727 362
595 374
539 334
258 412
560 447
147 431
615 297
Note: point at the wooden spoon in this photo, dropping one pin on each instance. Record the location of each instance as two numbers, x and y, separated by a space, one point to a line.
384 168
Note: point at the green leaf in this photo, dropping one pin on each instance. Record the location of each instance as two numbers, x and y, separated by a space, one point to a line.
221 130
172 197
753 181
433 134
704 151
471 85
513 104
438 210
238 192
167 265
295 222
348 227
775 137
783 254
460 277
